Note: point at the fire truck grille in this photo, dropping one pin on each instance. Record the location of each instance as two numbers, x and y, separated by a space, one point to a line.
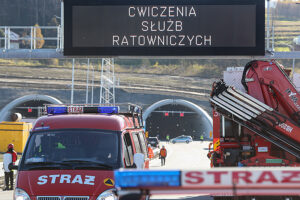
48 198
62 198
76 198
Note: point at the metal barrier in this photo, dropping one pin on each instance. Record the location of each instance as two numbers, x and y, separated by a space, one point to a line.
26 45
30 39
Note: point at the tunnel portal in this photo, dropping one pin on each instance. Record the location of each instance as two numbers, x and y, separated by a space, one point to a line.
175 118
30 109
27 106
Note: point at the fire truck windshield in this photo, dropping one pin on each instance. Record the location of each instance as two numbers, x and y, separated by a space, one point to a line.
72 149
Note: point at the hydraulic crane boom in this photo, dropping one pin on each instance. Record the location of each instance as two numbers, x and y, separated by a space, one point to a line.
268 82
257 117
260 127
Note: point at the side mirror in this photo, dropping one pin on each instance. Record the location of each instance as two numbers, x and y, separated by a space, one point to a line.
139 160
12 167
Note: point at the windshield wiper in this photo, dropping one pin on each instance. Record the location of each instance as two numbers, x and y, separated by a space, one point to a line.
41 163
94 163
46 165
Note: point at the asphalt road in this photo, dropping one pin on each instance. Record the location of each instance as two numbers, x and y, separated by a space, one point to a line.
184 157
180 156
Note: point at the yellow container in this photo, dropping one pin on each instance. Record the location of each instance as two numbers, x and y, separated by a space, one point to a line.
15 133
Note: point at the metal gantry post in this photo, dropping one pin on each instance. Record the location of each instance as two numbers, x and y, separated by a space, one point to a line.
58 38
101 83
268 24
72 87
31 38
8 38
87 82
93 77
34 37
274 4
107 82
62 24
5 37
273 40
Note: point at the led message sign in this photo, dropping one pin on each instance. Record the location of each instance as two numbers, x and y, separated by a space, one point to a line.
164 28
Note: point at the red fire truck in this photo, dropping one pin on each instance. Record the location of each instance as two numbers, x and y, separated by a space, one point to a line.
72 152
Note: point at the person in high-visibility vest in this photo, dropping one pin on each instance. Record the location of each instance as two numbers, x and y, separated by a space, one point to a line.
147 134
150 152
168 138
163 155
201 138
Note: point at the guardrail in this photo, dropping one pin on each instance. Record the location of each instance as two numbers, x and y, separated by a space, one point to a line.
25 45
26 37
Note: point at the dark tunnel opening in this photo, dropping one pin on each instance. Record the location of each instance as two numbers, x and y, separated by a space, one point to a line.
175 120
30 109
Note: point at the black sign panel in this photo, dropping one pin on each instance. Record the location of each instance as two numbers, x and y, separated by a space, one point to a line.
164 28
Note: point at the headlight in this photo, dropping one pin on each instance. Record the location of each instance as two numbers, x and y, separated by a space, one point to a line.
107 195
20 194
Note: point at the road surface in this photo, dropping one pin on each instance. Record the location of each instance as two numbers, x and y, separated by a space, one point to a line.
180 156
184 157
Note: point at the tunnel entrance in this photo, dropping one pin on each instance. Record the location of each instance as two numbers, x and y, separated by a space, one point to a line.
174 120
30 109
177 117
27 106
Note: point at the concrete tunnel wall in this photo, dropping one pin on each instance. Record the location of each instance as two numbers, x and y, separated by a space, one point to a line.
6 111
206 119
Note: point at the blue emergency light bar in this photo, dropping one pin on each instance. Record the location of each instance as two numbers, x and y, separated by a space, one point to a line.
136 178
82 109
57 110
111 109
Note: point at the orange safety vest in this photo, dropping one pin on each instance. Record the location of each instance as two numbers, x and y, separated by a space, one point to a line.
163 152
150 152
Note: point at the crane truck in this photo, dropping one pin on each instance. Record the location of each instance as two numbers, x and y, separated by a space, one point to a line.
260 127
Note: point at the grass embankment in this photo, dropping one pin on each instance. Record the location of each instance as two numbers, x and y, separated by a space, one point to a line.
285 32
205 70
